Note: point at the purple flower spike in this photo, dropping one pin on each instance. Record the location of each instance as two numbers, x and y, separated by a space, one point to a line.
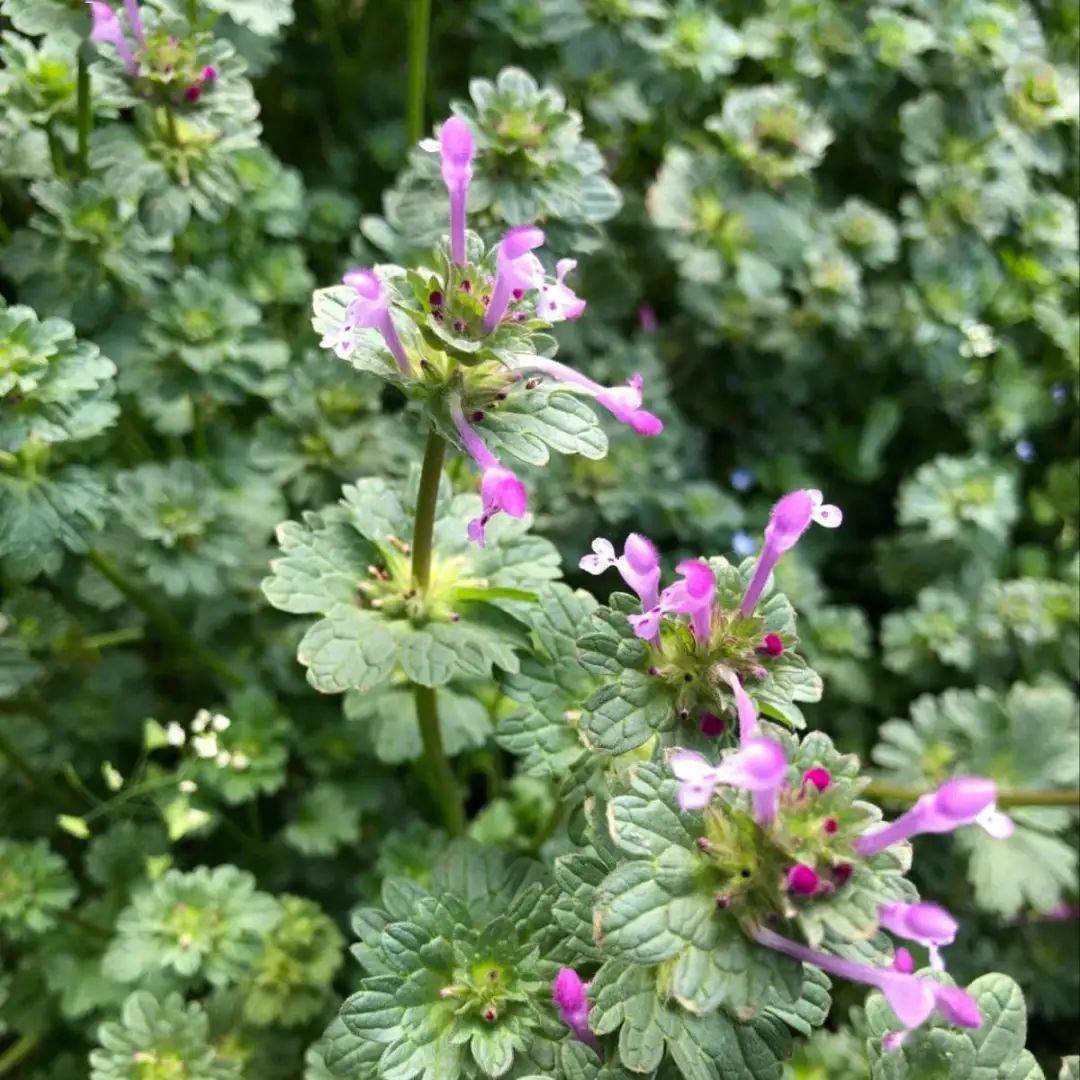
106 28
516 268
928 924
692 596
456 149
744 706
623 402
135 21
570 995
968 800
639 565
500 489
790 518
369 311
911 998
558 302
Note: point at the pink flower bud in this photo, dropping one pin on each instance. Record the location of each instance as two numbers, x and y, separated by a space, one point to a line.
803 880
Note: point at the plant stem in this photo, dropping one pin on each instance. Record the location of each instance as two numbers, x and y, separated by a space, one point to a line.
419 29
56 152
440 776
85 114
901 793
22 1048
426 500
124 635
170 630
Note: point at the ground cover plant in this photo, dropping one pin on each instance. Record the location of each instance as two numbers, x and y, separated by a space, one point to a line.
539 539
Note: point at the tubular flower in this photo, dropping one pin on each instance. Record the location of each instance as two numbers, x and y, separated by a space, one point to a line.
517 269
790 518
968 800
500 489
639 565
570 995
911 998
744 706
558 302
692 596
623 402
928 924
369 311
759 766
106 28
135 21
456 149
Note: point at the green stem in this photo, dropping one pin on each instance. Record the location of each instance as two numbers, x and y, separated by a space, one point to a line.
56 152
424 525
901 793
22 1048
170 630
125 635
419 29
85 114
440 776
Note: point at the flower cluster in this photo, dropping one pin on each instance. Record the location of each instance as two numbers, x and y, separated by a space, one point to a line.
466 311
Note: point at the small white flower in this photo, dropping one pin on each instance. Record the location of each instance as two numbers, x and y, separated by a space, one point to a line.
188 787
206 746
175 734
240 761
221 722
201 721
980 341
223 759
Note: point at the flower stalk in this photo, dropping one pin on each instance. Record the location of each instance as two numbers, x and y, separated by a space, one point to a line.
439 774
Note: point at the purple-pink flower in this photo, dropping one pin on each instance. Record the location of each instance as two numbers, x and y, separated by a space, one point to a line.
639 565
758 766
517 270
570 995
500 489
369 310
913 999
106 29
692 596
928 924
803 880
790 518
744 706
968 800
456 150
623 402
558 302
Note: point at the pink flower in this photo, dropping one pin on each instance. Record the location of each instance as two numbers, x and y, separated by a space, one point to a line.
623 402
817 777
370 310
639 565
759 766
517 268
790 518
456 149
500 489
558 302
570 995
969 800
928 924
692 596
744 706
803 880
913 999
106 29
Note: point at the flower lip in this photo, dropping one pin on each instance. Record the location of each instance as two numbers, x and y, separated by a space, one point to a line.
365 282
640 553
957 1006
965 797
520 240
456 142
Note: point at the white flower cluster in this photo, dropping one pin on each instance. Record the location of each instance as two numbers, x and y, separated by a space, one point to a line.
202 734
980 341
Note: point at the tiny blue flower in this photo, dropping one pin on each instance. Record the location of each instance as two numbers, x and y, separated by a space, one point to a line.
742 479
742 543
1025 450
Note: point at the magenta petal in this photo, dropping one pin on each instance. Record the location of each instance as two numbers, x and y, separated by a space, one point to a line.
958 1006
